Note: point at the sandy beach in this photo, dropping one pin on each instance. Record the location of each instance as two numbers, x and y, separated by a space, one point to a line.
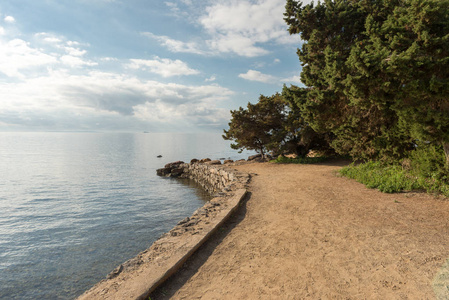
303 232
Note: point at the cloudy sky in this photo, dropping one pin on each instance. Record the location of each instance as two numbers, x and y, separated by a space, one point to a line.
139 65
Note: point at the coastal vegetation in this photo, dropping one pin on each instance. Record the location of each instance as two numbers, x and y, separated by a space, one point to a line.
376 86
274 124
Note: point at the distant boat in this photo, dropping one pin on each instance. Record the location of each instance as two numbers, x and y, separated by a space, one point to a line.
159 156
145 132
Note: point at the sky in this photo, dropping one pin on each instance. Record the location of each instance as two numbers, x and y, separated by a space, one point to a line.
139 65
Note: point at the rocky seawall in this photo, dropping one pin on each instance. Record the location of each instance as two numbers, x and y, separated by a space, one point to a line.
213 176
139 276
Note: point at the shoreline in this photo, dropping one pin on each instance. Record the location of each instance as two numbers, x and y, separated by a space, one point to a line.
141 275
303 232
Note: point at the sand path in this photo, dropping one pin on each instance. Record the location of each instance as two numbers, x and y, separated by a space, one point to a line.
305 233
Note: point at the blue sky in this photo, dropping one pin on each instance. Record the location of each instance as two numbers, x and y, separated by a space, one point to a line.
139 65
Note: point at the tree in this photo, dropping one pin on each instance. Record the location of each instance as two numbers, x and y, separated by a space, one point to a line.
330 31
301 137
409 51
260 127
376 72
273 124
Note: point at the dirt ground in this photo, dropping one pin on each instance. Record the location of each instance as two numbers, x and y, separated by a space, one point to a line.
303 232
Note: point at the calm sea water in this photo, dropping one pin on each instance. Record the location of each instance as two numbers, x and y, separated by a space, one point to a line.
73 206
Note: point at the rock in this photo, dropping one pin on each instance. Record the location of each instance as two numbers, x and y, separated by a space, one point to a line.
184 221
222 158
253 157
194 161
228 161
260 158
214 162
115 273
174 164
205 160
176 172
191 223
220 194
163 171
173 169
159 156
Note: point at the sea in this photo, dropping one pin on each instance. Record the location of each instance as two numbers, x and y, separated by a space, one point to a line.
73 206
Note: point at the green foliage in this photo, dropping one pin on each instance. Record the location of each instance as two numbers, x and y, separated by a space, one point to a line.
377 73
427 161
299 160
260 126
407 51
304 137
272 124
392 178
386 178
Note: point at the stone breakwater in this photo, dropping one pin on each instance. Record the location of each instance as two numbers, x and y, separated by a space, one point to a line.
139 276
210 174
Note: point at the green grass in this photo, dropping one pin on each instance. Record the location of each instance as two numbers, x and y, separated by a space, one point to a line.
299 160
393 178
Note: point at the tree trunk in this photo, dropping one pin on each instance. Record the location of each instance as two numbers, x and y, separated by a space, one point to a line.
261 152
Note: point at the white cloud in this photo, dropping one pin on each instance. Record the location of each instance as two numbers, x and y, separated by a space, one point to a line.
59 87
212 78
293 79
17 55
73 43
242 26
235 43
2 30
176 46
99 95
75 61
9 19
20 58
52 40
253 75
109 59
163 66
173 6
75 51
199 113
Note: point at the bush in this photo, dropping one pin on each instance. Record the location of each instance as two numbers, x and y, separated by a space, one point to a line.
388 179
393 178
427 161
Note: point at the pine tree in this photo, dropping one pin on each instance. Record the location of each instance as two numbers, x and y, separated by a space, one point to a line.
273 124
260 126
376 72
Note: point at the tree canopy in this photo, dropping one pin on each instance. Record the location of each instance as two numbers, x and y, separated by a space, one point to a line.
376 72
273 124
260 126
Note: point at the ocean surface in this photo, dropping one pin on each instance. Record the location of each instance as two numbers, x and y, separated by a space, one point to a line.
73 206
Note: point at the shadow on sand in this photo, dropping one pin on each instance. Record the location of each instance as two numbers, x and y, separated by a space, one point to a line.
192 265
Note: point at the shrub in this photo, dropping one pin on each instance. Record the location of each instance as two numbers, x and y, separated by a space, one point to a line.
393 178
427 161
